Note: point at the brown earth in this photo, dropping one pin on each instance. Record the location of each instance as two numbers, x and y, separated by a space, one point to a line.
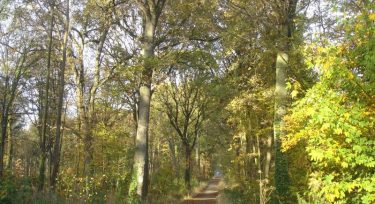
209 195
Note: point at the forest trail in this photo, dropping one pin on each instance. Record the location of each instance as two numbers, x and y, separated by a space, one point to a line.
209 195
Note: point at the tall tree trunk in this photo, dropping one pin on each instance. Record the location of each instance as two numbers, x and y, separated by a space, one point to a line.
10 145
151 12
5 121
88 153
197 156
253 143
260 176
151 158
281 170
81 111
9 96
141 153
267 164
43 154
90 119
249 168
4 125
282 59
141 150
81 107
188 167
61 92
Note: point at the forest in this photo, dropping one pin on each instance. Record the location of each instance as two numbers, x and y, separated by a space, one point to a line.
154 101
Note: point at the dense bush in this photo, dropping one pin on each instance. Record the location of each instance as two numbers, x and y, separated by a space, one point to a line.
15 190
165 187
96 189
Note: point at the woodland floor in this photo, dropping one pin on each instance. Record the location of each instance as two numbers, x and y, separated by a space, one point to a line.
208 195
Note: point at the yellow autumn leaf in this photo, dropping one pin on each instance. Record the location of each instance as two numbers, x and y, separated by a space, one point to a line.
294 93
338 131
310 111
351 76
325 126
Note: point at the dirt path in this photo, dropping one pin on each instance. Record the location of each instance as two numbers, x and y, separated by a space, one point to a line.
209 195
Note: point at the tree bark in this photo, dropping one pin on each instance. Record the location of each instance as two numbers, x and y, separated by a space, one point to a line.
83 123
4 125
188 167
10 145
90 119
282 60
151 11
6 109
141 152
197 156
173 150
281 171
42 162
141 166
61 92
249 140
7 106
260 176
267 164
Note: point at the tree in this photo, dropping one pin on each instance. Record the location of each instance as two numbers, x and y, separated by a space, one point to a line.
108 101
15 63
334 120
184 103
151 12
61 93
9 94
42 167
287 15
91 26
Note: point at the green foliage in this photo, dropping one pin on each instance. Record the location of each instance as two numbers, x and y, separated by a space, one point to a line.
336 120
7 190
301 200
95 189
133 198
237 195
215 56
282 180
164 189
244 193
4 9
16 190
299 167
